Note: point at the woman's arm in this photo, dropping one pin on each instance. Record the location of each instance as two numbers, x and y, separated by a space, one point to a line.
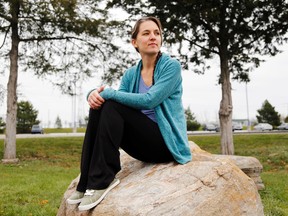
95 100
165 85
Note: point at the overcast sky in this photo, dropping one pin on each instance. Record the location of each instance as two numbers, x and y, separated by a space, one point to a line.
201 93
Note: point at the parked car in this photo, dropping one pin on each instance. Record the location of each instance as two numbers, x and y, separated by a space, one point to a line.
37 129
236 126
210 127
263 127
283 126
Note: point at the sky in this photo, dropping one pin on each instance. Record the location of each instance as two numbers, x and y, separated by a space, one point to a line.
200 92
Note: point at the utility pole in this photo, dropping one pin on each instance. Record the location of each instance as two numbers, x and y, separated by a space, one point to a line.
74 104
247 104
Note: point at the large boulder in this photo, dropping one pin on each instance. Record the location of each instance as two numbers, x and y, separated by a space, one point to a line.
209 185
249 165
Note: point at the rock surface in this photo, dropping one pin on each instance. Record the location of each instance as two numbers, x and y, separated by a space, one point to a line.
209 185
249 165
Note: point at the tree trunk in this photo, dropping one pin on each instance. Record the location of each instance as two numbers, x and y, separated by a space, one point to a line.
225 112
10 134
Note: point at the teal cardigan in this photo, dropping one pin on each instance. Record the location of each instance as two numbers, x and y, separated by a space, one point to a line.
164 97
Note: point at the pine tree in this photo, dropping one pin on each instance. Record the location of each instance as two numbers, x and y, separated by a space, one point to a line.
58 122
267 114
26 117
192 123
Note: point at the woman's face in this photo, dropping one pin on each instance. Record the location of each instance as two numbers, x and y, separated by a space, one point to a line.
148 40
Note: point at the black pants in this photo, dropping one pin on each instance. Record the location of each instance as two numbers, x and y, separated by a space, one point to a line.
109 128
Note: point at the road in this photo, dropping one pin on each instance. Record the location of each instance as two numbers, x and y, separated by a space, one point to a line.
196 133
237 132
22 136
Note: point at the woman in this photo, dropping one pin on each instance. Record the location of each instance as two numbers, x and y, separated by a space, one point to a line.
145 117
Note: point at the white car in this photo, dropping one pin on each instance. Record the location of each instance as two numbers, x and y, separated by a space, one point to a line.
283 126
37 129
263 127
210 127
236 126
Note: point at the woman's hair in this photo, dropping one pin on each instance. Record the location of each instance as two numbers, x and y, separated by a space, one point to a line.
136 27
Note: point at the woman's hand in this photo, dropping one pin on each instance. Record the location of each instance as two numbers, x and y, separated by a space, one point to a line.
95 101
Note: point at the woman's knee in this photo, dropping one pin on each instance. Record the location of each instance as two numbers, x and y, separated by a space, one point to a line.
110 104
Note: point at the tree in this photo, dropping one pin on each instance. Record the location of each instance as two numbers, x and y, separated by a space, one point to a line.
58 122
26 117
69 39
2 125
267 114
191 121
286 119
239 33
86 119
2 93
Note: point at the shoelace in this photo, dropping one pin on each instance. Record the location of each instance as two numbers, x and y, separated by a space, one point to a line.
89 192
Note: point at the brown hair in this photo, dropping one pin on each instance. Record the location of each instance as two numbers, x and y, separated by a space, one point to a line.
136 27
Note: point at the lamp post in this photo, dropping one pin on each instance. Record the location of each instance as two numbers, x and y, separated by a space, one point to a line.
247 104
74 103
74 108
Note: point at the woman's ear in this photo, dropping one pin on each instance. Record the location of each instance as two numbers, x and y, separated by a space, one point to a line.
134 43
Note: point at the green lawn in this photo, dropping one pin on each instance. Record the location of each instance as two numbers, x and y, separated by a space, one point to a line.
63 130
36 185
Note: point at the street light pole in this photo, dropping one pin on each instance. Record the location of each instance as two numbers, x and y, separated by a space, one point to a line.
74 107
247 104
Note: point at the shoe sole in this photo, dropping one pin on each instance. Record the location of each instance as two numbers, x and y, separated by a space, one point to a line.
72 202
92 205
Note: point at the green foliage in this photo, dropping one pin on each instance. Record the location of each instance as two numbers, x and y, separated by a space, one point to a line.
267 114
237 31
286 119
71 40
26 117
58 122
2 125
191 121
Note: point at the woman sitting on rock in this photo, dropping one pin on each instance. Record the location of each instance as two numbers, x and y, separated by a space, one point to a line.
144 117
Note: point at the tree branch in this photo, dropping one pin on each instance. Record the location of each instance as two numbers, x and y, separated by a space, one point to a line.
211 30
9 19
6 33
62 38
194 43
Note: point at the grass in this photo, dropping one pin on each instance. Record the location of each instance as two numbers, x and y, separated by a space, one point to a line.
63 130
36 185
59 130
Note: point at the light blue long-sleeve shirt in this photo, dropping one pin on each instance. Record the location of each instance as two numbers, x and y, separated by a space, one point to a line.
165 97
